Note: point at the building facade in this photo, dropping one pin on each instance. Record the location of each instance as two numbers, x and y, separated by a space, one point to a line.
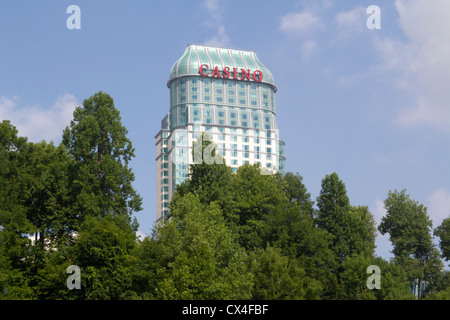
230 95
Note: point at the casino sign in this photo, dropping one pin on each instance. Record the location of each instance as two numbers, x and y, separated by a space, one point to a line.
226 73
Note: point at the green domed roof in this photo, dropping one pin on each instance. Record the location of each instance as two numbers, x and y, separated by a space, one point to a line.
196 55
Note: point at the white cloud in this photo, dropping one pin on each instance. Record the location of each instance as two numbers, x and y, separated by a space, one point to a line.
439 207
300 22
352 21
38 123
308 48
215 21
422 62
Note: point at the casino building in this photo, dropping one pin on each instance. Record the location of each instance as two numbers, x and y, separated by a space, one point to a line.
230 95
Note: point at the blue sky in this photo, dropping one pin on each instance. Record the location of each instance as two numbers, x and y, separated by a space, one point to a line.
372 105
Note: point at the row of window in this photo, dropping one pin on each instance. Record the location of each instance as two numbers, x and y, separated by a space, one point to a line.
231 92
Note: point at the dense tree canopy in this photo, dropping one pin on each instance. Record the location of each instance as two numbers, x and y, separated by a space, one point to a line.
242 235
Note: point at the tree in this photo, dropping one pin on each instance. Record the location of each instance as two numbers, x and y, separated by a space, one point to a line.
352 232
104 252
297 193
333 205
210 182
277 277
102 180
198 256
409 229
16 252
443 232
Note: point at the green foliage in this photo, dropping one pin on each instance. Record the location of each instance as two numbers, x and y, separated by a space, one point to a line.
201 258
443 232
409 228
229 236
100 177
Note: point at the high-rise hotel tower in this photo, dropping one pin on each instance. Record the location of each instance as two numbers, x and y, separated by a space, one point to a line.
231 95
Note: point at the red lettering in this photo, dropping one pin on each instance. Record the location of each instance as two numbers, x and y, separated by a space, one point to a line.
247 74
259 79
201 70
216 73
226 72
257 75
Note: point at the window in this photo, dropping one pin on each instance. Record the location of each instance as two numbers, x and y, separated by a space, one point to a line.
269 150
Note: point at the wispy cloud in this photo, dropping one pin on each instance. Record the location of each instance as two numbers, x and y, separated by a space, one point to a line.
422 62
215 22
301 26
351 22
37 122
300 22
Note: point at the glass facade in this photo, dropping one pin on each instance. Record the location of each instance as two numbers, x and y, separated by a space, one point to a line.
237 111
